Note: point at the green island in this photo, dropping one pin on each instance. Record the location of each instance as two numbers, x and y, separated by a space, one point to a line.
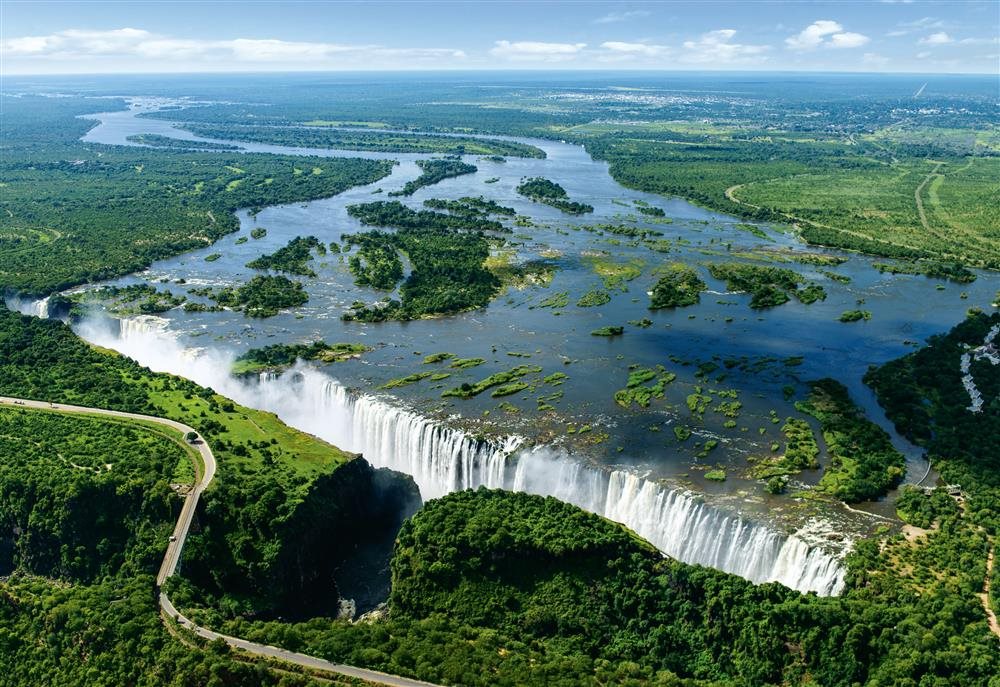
677 287
159 141
855 315
863 462
292 258
281 356
262 296
469 206
644 384
609 330
549 192
591 299
381 141
433 171
768 286
447 254
935 270
76 213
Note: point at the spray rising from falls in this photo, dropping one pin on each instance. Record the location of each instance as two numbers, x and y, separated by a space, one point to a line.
443 459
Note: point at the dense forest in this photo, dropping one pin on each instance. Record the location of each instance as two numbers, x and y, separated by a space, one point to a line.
75 212
497 588
252 544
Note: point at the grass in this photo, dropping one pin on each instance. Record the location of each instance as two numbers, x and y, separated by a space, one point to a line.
301 455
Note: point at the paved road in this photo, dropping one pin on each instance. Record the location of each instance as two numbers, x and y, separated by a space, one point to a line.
172 557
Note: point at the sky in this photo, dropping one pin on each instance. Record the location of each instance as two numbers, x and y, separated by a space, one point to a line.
86 36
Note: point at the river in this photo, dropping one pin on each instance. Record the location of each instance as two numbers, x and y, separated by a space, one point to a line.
638 472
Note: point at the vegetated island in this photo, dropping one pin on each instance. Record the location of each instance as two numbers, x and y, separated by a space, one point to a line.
542 190
262 296
381 141
855 315
278 357
160 141
677 287
292 258
768 286
433 171
447 251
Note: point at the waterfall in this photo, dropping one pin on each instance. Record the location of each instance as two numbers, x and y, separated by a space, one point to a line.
443 459
28 306
678 522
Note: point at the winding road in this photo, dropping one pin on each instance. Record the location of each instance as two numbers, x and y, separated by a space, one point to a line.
172 557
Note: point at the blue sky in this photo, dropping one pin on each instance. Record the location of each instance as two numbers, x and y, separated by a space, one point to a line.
40 37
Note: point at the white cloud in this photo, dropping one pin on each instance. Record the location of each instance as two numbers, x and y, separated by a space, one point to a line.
617 17
638 49
848 39
923 55
536 51
980 41
715 47
939 38
825 33
74 44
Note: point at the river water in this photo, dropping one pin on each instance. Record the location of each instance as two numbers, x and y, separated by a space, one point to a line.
415 429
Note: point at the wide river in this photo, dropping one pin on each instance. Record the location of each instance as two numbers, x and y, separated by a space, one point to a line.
770 353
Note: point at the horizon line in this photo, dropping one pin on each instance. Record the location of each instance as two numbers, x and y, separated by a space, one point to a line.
487 70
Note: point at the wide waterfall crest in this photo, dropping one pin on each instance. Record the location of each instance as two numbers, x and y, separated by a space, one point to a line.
678 522
443 459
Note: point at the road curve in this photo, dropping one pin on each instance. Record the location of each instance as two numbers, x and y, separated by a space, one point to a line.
176 544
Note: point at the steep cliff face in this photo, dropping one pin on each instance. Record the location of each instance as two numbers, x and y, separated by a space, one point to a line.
276 555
